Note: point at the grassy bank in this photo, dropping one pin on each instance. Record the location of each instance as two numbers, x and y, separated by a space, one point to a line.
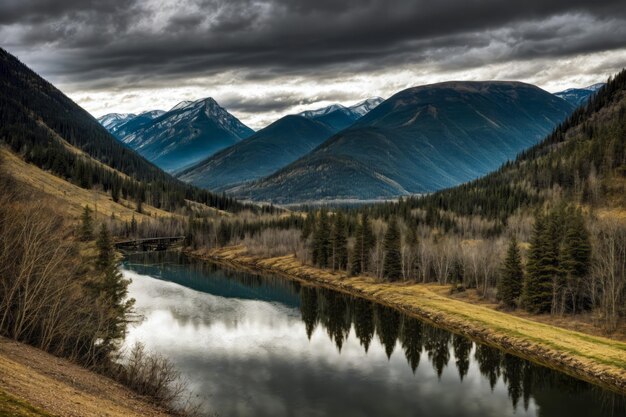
14 407
592 358
35 383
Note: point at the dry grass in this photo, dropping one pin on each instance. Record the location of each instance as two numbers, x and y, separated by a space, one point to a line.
11 406
596 359
584 323
204 210
35 380
71 197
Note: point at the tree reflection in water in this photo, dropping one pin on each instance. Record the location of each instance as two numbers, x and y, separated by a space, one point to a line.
339 313
379 330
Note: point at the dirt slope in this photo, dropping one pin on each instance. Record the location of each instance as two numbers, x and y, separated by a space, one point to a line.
34 383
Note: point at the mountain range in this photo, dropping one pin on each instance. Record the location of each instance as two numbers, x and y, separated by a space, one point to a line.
578 96
420 140
180 137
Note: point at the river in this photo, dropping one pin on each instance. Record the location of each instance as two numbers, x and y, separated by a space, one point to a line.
259 345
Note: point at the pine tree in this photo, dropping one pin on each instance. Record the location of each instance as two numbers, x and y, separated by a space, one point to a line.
110 290
392 265
115 191
553 257
86 225
321 241
457 272
113 290
413 243
223 233
576 260
140 199
538 284
309 226
133 226
511 277
189 232
364 242
339 243
106 255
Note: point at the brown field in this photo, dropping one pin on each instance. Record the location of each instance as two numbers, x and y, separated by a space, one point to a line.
596 359
32 381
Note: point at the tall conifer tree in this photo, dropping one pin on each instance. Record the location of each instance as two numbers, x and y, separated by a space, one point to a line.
321 241
363 244
86 225
339 243
538 285
392 265
106 255
511 277
576 260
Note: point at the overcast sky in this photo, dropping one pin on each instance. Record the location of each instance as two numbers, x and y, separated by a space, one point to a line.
262 59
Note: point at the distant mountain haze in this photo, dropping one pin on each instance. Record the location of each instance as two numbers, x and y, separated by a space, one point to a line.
133 124
260 155
112 120
274 147
579 96
420 140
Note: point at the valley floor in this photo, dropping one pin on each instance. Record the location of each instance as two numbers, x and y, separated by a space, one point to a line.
590 357
35 383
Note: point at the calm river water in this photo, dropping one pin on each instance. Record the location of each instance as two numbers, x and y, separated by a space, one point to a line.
252 345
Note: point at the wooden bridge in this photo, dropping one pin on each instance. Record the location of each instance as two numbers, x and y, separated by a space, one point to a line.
150 244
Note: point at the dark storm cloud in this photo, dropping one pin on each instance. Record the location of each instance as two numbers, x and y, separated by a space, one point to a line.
103 44
278 101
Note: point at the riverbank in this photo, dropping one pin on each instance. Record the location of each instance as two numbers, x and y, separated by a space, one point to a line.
35 383
592 358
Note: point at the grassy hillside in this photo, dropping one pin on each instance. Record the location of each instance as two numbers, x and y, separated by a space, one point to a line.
71 198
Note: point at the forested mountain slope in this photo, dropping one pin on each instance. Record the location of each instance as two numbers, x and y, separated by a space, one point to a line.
583 160
46 128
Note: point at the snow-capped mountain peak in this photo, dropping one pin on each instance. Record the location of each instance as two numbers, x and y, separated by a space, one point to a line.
112 120
358 110
153 114
181 105
186 134
311 114
578 96
366 106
